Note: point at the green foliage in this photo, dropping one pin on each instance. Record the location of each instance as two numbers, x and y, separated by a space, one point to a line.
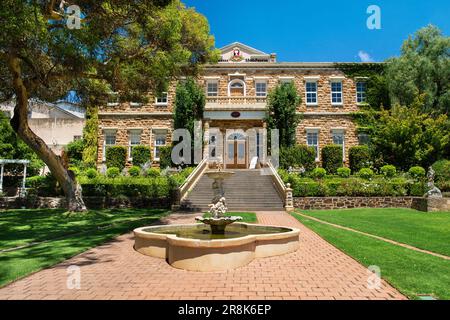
134 171
422 69
116 156
297 156
344 172
442 174
153 172
46 186
113 172
75 152
282 103
91 173
165 157
140 155
366 173
319 173
12 147
359 157
417 172
332 158
189 105
90 137
389 171
405 136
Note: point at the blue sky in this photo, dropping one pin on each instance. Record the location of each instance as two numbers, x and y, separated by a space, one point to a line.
321 30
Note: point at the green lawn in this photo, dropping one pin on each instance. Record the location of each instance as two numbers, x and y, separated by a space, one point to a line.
66 235
411 272
429 231
249 217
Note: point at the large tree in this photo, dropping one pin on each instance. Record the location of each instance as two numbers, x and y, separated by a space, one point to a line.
282 103
125 46
422 69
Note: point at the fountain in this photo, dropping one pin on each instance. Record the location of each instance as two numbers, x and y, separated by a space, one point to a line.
218 221
219 242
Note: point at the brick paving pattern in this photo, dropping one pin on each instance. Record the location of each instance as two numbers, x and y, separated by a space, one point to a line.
115 271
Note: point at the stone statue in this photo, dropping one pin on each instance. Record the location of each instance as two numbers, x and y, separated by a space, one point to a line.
433 191
218 209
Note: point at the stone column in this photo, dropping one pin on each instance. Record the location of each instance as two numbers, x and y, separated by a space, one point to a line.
1 178
289 205
206 139
23 191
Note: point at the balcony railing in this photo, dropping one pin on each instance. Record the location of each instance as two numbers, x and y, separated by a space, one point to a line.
236 100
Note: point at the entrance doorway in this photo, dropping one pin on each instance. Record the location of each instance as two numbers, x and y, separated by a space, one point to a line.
236 151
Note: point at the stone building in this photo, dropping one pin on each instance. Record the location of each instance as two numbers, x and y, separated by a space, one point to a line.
236 89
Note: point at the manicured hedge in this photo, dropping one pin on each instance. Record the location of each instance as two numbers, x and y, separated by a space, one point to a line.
332 158
140 155
297 156
116 156
442 170
358 157
352 187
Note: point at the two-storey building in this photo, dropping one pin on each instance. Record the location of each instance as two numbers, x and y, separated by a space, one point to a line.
236 89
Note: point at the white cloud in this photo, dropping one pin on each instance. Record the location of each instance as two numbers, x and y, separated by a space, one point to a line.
364 56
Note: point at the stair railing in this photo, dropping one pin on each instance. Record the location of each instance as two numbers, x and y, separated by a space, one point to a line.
191 181
284 191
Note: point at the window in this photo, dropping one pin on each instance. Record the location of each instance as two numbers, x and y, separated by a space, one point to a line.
162 100
312 140
160 141
212 146
311 93
363 138
361 89
261 88
336 92
339 139
76 138
236 88
212 89
110 140
134 140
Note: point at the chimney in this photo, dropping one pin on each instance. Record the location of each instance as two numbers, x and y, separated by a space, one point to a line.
273 57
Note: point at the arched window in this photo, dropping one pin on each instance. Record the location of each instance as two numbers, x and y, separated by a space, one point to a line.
236 136
236 87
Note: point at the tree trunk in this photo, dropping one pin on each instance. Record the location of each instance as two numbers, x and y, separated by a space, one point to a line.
19 123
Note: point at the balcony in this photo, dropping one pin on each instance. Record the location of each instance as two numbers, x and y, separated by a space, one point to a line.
236 103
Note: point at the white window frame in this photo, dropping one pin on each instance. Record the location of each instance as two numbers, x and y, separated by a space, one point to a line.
208 82
317 147
341 92
364 92
158 133
256 88
237 81
105 133
316 92
159 101
339 132
130 144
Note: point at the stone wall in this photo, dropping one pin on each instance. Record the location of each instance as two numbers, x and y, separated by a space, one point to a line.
328 203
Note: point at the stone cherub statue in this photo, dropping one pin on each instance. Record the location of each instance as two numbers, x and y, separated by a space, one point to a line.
433 191
218 209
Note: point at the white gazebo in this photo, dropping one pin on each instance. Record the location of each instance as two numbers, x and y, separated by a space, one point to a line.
22 192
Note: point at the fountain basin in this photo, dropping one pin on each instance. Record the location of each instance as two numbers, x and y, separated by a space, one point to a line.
193 247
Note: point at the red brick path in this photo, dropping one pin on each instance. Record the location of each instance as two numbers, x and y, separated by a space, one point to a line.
115 271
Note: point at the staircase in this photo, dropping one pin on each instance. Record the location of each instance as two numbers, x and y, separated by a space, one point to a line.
246 190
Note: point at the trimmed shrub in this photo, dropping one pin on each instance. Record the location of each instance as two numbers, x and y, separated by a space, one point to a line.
332 158
344 172
75 151
116 157
319 173
442 170
140 155
75 171
134 171
91 173
358 157
366 173
153 172
417 172
297 156
165 157
112 172
388 171
46 186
